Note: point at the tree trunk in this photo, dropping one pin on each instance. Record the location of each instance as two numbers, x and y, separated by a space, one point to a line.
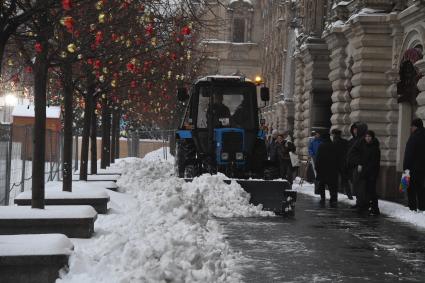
113 134
93 138
67 127
117 137
106 134
39 137
86 129
3 40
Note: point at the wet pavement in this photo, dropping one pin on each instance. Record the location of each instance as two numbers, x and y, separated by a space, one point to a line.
327 245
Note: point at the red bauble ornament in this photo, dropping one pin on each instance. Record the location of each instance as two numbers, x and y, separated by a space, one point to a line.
149 30
66 4
185 30
99 37
38 47
28 69
133 84
69 24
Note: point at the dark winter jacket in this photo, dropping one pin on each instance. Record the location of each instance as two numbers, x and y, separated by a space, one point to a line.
414 155
341 147
283 149
271 149
353 152
370 158
327 163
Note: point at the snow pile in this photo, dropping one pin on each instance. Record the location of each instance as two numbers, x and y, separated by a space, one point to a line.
395 211
162 229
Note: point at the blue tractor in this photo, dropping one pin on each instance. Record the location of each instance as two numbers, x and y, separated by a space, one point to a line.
220 132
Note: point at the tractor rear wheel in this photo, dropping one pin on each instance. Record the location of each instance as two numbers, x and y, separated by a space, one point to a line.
185 158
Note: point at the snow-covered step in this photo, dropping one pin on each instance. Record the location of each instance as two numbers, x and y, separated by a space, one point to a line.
74 221
81 195
33 258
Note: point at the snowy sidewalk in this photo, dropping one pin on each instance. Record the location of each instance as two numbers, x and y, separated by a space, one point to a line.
394 211
160 228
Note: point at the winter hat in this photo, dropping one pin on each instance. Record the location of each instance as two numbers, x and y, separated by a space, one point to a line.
370 133
417 123
336 132
275 133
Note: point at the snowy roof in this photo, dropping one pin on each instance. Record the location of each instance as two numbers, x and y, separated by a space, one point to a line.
28 111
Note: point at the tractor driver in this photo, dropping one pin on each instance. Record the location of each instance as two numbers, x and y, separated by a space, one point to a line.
219 110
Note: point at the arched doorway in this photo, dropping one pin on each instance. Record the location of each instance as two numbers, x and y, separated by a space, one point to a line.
407 91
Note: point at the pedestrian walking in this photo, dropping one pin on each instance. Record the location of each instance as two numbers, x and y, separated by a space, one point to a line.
326 169
271 147
341 147
414 161
368 170
358 131
313 146
283 147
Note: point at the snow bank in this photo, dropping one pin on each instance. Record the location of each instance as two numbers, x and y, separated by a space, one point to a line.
394 211
162 229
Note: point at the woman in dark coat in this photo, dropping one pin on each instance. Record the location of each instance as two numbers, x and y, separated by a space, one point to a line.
327 169
368 170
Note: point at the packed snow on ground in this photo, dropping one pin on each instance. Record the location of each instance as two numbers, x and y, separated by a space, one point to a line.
162 229
393 210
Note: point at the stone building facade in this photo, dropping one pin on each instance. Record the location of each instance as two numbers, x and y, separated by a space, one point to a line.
355 60
232 37
328 64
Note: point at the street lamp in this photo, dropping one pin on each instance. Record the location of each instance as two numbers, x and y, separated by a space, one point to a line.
10 100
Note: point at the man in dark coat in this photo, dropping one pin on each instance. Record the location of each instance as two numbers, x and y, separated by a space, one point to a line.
358 131
341 147
327 169
283 147
368 170
414 161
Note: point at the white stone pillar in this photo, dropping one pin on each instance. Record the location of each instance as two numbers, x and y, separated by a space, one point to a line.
420 112
298 98
337 44
372 42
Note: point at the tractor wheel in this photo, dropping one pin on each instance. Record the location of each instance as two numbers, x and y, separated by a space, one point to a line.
288 207
185 158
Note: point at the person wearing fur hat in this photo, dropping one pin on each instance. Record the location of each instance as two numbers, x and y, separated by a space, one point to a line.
368 171
414 161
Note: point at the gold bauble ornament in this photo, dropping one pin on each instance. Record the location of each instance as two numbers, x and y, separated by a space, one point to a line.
99 5
71 48
101 18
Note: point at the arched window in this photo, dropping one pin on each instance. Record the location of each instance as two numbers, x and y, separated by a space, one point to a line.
407 89
240 17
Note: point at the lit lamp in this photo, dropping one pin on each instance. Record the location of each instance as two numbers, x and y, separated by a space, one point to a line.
258 80
10 100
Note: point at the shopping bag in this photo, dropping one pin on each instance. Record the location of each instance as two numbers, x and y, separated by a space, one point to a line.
311 174
404 182
295 162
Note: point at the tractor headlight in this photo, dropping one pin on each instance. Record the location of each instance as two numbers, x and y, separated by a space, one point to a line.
225 156
239 155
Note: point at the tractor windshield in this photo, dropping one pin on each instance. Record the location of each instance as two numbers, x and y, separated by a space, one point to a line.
231 106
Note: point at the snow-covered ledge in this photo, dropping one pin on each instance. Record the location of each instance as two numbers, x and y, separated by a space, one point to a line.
74 221
33 258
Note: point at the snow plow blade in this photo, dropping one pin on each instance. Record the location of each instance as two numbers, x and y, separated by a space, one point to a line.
275 196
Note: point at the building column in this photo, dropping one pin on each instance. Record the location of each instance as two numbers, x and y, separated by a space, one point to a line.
337 44
317 89
420 112
298 98
371 102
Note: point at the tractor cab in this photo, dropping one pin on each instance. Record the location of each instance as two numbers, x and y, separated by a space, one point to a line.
222 116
